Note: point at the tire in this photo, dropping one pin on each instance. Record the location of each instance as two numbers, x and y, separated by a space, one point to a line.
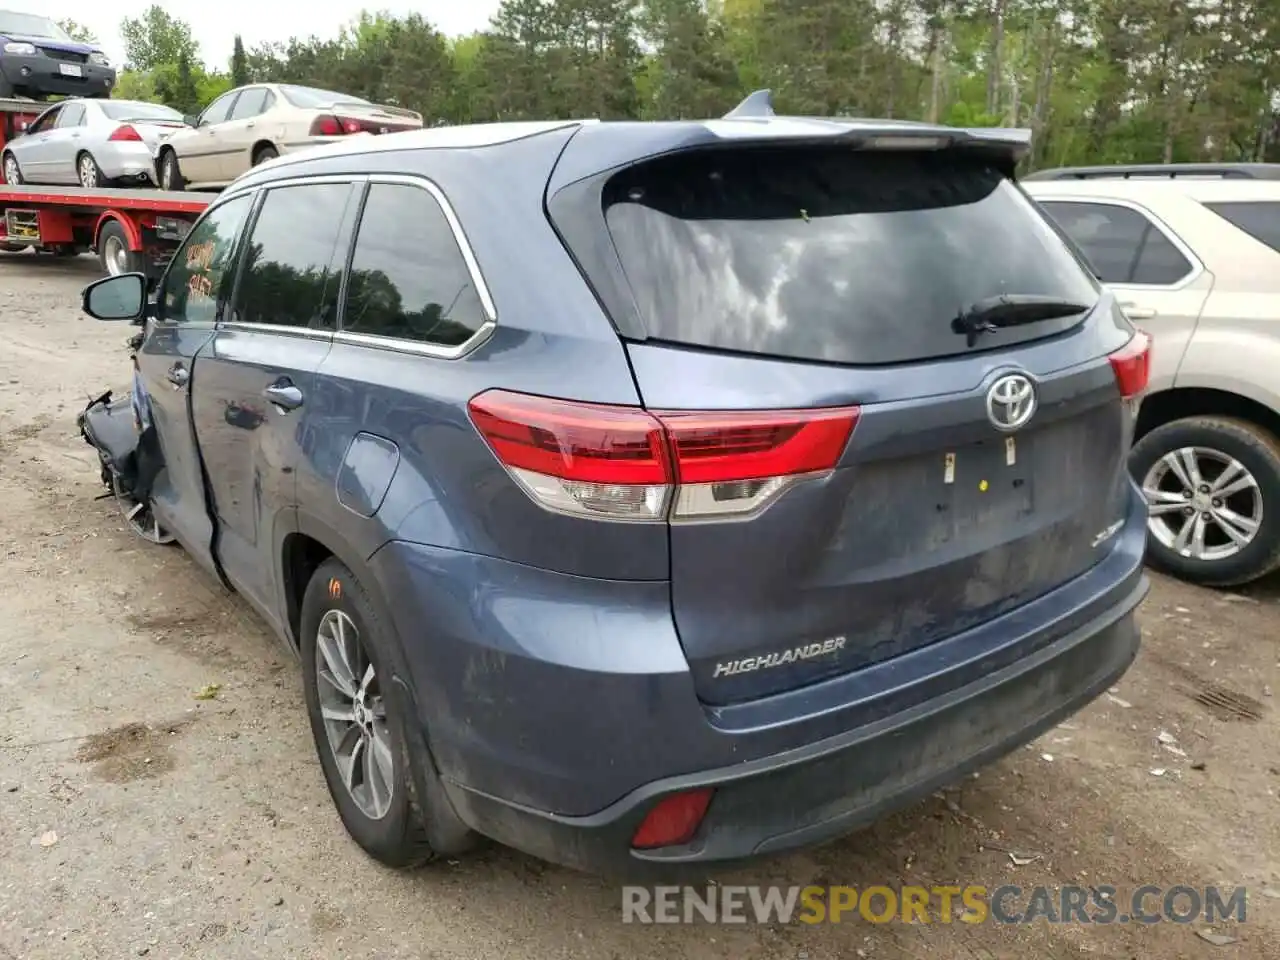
88 173
263 154
11 165
1218 446
6 88
113 251
418 823
170 174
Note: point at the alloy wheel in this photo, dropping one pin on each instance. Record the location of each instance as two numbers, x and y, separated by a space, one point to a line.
355 715
88 172
1204 504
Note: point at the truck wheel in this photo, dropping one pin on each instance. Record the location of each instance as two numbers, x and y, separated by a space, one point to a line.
12 172
170 175
114 253
1212 485
390 800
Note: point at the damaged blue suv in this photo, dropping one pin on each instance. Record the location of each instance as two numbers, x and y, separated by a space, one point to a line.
652 493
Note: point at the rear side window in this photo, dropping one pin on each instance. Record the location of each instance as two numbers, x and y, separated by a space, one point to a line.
1259 220
250 103
831 254
408 278
289 277
1121 243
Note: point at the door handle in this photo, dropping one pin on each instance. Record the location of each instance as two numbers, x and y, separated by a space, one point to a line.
1135 312
179 376
285 396
250 125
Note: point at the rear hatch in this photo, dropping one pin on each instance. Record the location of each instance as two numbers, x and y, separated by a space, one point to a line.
934 465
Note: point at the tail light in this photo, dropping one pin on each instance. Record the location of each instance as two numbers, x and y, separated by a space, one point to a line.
624 463
126 133
1132 365
673 821
327 125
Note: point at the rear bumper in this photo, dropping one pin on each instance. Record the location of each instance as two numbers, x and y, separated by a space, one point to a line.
833 787
126 161
40 74
560 709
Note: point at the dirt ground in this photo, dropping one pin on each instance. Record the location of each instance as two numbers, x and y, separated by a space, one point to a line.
139 820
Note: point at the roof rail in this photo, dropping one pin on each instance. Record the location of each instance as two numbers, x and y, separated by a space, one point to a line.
1172 171
757 105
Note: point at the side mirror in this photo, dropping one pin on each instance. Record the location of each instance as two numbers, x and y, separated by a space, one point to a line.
122 297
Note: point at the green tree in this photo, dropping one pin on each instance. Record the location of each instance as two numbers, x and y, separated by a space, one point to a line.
157 38
176 85
239 64
77 31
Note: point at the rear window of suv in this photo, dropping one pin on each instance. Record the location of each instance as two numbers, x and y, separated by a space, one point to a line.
1261 220
830 254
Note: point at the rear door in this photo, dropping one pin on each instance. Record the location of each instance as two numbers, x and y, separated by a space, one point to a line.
1160 282
64 143
192 295
240 132
257 373
982 470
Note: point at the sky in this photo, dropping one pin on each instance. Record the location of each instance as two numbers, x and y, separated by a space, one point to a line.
214 23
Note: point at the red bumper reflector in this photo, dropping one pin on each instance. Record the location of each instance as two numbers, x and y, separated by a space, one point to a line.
673 821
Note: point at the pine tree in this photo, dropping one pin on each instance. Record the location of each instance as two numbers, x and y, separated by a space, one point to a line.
239 64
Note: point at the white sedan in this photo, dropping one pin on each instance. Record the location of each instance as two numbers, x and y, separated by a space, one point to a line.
93 143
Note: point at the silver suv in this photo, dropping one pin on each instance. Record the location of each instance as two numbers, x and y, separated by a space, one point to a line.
1193 253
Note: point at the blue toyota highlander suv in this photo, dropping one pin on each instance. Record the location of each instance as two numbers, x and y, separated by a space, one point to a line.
653 492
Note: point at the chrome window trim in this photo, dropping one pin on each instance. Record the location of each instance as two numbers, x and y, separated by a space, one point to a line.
397 344
1197 266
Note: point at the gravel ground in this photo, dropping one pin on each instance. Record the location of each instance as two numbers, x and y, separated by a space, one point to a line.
138 820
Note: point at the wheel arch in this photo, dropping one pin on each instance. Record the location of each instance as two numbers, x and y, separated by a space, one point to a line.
132 233
263 142
1180 402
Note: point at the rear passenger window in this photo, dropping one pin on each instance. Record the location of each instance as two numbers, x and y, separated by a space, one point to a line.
408 278
290 277
1259 220
1122 245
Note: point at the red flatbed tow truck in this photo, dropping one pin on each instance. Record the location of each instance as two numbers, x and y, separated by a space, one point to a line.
130 230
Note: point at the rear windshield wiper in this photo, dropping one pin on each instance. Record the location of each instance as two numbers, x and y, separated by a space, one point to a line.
1011 310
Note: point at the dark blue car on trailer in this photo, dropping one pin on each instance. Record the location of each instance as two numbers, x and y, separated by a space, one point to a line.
38 58
653 492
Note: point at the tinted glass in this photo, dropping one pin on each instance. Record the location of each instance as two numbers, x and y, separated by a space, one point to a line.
72 115
46 121
217 111
135 110
827 254
408 278
30 25
250 103
311 98
1259 220
197 279
292 271
1123 245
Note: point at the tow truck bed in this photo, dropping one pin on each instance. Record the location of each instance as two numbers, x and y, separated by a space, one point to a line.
130 230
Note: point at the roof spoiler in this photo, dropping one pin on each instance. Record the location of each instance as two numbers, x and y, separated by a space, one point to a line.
756 105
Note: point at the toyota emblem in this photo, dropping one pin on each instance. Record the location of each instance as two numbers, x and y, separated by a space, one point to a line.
1011 402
